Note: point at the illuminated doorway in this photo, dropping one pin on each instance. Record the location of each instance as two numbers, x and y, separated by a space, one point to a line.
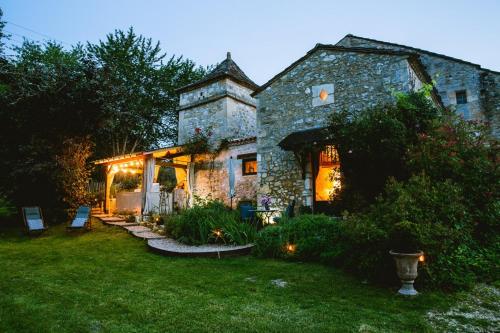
327 177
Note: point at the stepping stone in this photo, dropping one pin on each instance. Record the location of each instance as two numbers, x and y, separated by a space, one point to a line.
122 224
137 228
147 235
171 247
112 219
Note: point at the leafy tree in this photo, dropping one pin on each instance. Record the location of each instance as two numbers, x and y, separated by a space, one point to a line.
137 90
50 98
3 36
75 171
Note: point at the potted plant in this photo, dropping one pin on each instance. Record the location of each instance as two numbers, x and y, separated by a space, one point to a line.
406 255
266 201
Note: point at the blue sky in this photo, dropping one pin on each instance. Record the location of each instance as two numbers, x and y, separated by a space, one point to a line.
266 36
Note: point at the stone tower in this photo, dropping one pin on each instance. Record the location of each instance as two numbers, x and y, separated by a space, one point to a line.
219 103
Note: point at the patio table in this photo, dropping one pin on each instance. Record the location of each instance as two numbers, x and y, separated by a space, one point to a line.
265 213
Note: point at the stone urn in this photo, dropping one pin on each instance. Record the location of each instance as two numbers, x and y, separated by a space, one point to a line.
406 266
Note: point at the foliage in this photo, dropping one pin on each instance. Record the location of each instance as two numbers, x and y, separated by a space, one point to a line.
416 178
198 143
75 173
126 182
137 89
119 93
167 179
6 209
208 222
306 237
373 143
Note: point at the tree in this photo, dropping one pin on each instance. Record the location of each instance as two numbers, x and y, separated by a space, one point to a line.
75 172
3 36
50 98
137 90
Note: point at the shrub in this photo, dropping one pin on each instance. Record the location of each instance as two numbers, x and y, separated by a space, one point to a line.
6 208
208 222
414 178
306 237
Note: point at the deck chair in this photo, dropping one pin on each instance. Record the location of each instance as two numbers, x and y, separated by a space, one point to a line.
246 214
82 218
33 220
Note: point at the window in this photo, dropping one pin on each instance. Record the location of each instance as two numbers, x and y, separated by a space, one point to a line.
248 164
461 96
323 94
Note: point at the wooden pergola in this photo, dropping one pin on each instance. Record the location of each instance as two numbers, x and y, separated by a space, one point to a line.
148 164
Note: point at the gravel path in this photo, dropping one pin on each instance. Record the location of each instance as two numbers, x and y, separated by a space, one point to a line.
172 247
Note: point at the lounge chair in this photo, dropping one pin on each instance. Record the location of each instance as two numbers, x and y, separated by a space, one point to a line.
288 213
82 218
33 220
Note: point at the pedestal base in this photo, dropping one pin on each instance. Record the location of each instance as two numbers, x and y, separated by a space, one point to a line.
407 289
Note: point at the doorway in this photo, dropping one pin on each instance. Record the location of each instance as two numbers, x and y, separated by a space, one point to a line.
326 175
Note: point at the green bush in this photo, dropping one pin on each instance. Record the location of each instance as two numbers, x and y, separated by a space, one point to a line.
414 178
209 222
6 208
306 237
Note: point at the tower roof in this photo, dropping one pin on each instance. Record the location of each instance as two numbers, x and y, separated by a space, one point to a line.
226 69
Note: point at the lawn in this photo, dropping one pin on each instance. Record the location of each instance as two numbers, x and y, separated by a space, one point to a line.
106 281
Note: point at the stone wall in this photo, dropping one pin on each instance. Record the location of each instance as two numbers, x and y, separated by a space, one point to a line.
450 76
224 107
491 99
360 81
212 178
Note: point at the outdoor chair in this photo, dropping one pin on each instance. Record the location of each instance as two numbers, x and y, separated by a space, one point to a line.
33 220
288 213
82 218
246 214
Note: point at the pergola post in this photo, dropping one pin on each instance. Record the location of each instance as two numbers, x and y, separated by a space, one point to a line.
110 174
147 182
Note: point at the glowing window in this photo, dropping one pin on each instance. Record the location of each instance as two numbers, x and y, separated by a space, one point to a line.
249 166
323 95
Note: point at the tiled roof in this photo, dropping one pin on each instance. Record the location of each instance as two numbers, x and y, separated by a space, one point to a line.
226 69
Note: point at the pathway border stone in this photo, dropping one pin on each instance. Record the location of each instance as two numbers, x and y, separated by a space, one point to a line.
170 247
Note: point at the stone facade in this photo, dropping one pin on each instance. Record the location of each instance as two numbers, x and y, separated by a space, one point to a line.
452 75
355 74
212 177
286 105
226 109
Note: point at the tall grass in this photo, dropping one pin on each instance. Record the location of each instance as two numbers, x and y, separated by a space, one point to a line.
207 223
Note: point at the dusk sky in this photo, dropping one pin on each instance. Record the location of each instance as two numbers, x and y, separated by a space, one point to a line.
266 36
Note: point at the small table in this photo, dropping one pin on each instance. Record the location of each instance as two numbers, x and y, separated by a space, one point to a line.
266 214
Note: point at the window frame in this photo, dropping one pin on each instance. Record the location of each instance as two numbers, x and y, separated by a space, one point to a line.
461 93
247 158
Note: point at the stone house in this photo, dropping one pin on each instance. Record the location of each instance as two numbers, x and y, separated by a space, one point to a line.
274 138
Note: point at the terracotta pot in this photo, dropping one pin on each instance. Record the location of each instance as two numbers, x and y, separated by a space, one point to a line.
406 266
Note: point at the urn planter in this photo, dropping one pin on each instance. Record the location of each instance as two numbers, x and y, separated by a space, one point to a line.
406 266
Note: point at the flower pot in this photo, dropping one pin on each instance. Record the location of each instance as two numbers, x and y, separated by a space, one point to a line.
406 266
266 206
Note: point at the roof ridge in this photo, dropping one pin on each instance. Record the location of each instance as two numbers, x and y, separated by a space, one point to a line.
418 50
333 47
226 68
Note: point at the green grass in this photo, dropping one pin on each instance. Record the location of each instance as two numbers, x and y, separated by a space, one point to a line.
106 281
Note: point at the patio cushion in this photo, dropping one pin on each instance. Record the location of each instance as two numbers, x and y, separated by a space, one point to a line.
83 211
79 222
35 224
